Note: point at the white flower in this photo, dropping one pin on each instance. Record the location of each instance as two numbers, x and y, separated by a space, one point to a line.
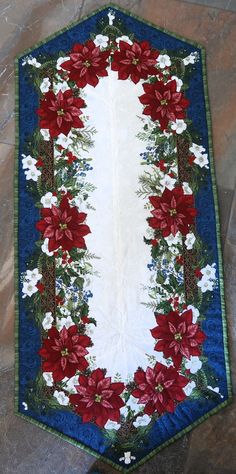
166 134
124 38
101 41
48 378
60 86
179 126
45 85
197 150
178 81
201 158
48 200
195 313
33 62
28 289
168 182
209 272
44 248
33 275
45 134
189 241
189 388
47 321
62 60
127 458
33 173
70 384
205 284
160 358
191 59
28 162
112 425
163 61
67 322
25 406
174 250
124 411
194 364
64 310
216 390
202 161
142 421
186 188
64 140
61 398
63 189
133 404
173 239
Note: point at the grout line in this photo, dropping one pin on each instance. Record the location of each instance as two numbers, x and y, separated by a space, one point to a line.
200 4
4 370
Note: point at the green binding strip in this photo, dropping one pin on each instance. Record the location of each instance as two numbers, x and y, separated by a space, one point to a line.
217 217
16 266
221 279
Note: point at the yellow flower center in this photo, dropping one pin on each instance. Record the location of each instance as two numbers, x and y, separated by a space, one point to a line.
173 212
63 226
159 388
164 102
98 398
135 61
178 336
86 63
64 352
60 112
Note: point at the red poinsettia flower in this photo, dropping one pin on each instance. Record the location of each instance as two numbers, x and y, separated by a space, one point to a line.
159 388
63 226
60 112
136 61
86 64
97 398
173 212
163 102
178 336
64 352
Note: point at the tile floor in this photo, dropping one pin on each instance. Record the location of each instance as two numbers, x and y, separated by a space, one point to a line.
210 448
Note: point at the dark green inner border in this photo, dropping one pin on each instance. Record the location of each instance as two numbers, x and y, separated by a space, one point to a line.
221 279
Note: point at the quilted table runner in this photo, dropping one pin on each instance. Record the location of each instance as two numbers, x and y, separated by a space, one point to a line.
121 330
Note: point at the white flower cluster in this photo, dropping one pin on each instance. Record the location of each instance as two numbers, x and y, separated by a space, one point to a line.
61 398
101 41
31 61
45 85
124 38
45 134
189 388
61 85
29 165
191 58
48 200
47 321
31 278
208 279
179 126
193 364
201 158
163 61
60 61
190 239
